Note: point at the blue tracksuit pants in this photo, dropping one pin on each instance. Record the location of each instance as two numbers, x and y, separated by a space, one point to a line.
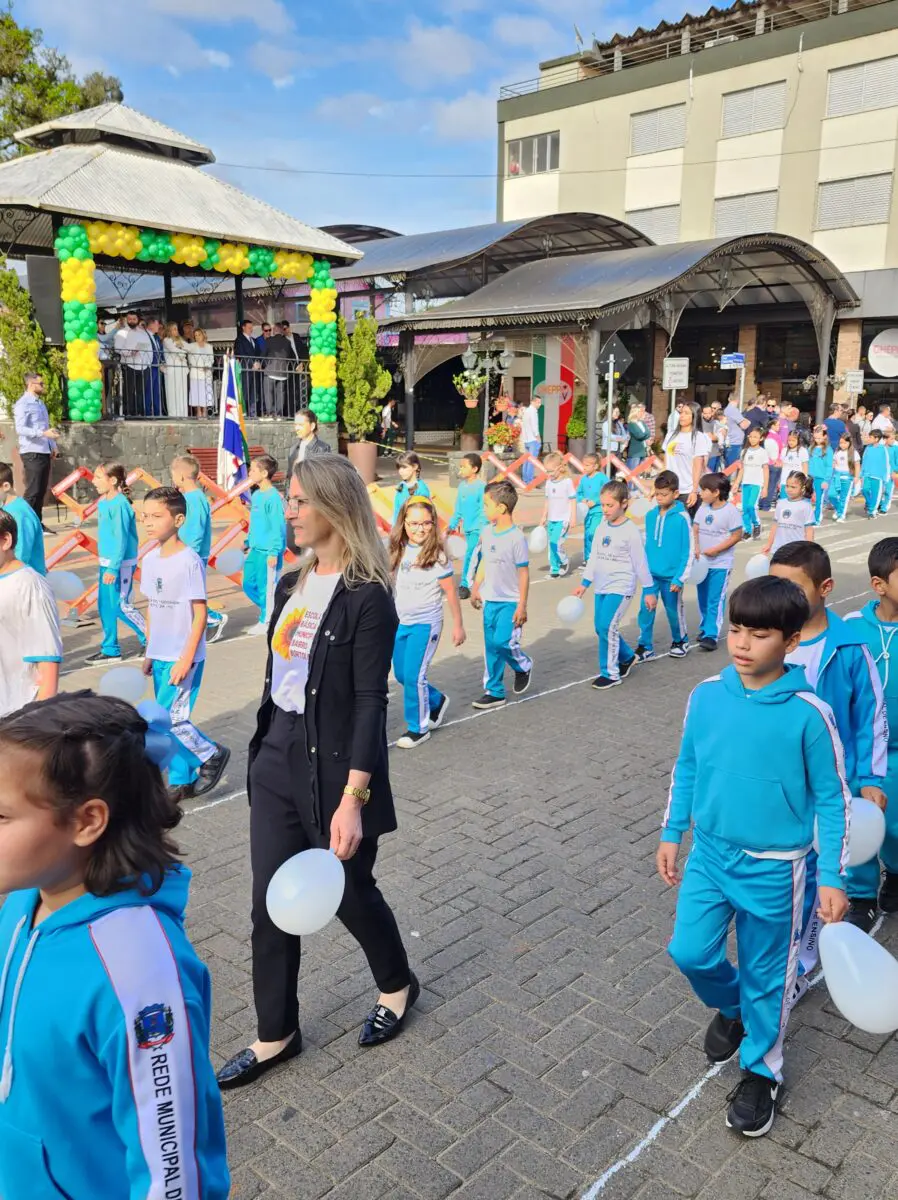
195 747
472 558
764 895
114 605
501 645
887 493
558 560
712 600
590 525
863 881
821 487
840 490
676 615
751 493
873 493
413 649
259 582
613 650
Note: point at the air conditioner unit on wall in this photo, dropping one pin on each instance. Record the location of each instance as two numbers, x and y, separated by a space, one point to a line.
722 41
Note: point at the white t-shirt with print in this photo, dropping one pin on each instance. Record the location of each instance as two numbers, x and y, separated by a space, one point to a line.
795 460
171 584
809 655
840 462
792 518
680 451
503 554
754 460
559 494
419 597
715 525
293 637
29 634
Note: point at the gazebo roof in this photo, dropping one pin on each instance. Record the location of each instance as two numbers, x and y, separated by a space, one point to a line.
116 124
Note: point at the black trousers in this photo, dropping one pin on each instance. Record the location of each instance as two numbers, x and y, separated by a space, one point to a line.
37 479
281 825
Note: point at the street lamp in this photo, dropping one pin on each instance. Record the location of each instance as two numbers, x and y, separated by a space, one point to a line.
488 361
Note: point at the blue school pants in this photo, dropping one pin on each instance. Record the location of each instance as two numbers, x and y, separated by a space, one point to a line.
590 525
676 614
413 649
501 646
764 895
558 560
873 490
609 611
194 748
712 599
840 490
114 605
887 493
472 559
821 487
750 495
259 582
863 881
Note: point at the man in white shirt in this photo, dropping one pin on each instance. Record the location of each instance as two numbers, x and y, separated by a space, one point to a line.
135 349
531 435
883 421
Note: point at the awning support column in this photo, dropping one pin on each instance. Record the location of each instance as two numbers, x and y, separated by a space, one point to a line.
407 358
823 314
238 300
592 384
168 302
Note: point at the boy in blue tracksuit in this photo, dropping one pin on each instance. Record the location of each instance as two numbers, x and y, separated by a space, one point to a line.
196 532
877 623
117 552
468 515
30 540
266 541
753 824
891 444
840 670
668 547
589 493
876 472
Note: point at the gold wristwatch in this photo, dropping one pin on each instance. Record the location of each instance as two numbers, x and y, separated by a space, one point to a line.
363 794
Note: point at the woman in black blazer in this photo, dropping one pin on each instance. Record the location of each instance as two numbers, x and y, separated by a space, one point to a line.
318 767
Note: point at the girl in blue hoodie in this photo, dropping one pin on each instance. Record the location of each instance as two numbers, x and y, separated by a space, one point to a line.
117 551
105 1087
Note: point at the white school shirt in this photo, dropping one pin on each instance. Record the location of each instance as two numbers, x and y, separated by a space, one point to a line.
754 461
792 518
171 584
617 560
503 554
795 460
715 525
29 634
809 655
680 451
293 637
559 494
418 595
840 462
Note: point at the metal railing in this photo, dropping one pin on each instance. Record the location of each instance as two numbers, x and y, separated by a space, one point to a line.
179 391
605 58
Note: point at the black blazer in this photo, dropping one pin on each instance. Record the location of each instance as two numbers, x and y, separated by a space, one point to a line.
246 349
346 700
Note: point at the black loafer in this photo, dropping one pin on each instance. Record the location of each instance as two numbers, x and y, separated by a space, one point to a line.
381 1024
245 1068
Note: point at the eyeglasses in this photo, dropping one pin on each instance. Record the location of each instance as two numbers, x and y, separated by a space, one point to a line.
294 504
419 524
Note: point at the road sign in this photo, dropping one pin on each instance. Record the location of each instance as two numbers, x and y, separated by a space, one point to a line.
675 374
622 356
731 362
854 382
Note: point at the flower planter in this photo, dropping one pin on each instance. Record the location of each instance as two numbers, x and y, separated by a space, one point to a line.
363 456
470 441
470 403
577 447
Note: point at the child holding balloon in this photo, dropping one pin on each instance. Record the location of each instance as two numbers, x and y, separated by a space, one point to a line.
117 551
668 547
468 515
793 517
589 493
753 821
196 532
718 530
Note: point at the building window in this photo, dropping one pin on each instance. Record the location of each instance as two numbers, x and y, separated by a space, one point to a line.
533 155
862 201
662 225
658 129
754 110
735 216
862 87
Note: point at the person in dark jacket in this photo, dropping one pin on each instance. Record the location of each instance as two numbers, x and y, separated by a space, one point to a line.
280 361
249 356
308 443
318 766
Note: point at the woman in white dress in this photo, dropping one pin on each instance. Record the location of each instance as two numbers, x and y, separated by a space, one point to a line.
175 371
200 357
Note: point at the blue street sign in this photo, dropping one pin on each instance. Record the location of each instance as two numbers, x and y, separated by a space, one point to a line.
731 361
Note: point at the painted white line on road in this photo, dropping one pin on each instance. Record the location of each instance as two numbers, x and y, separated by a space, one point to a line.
215 803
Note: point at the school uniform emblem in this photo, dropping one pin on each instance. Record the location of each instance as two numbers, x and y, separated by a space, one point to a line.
709 520
606 540
787 512
158 585
154 1026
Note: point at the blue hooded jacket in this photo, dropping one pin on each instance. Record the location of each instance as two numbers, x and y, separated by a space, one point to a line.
875 463
267 523
820 463
30 539
196 532
116 532
668 544
469 506
789 772
106 1087
880 639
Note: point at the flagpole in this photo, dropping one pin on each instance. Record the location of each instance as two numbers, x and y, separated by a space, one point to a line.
222 413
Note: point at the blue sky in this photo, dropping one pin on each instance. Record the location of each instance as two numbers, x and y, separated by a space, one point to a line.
363 87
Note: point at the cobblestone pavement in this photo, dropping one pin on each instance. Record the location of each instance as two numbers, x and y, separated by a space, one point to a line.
553 1032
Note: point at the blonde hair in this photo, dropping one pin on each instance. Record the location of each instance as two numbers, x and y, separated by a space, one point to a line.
197 332
189 463
334 487
554 459
176 336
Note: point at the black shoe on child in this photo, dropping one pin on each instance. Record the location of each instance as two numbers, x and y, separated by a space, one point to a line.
487 701
211 771
723 1037
642 655
521 682
464 593
624 668
679 649
602 681
410 739
437 714
752 1105
756 532
888 893
862 913
707 643
100 659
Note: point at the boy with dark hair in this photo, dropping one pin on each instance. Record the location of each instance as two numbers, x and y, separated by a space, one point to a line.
668 548
718 530
876 472
266 540
503 595
753 824
468 516
30 544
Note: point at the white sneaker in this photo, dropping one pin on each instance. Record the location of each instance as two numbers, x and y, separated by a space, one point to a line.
258 630
218 628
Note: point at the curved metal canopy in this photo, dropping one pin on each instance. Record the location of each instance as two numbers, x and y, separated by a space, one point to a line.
756 270
456 262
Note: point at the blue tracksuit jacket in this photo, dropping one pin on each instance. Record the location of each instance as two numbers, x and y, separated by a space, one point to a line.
875 463
668 544
820 464
196 532
267 523
468 506
117 532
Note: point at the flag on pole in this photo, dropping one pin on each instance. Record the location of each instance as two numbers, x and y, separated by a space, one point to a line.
233 451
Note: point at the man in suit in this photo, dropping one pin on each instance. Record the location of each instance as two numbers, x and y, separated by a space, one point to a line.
246 351
153 375
280 363
293 396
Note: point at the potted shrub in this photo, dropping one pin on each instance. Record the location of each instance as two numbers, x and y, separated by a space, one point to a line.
501 437
472 430
469 384
576 428
365 383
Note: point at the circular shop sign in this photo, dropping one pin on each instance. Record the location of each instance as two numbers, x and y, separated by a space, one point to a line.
883 354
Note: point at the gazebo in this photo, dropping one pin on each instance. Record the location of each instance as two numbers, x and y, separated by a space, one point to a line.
115 188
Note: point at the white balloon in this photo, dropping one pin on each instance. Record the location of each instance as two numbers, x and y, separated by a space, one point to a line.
65 585
757 565
127 683
230 561
862 977
305 893
570 610
866 831
639 506
538 540
456 545
699 572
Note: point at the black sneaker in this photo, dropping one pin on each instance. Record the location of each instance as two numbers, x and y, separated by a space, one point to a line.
624 668
521 681
746 537
488 701
756 532
211 771
464 593
862 913
752 1105
707 643
437 714
98 659
602 681
641 655
679 649
888 893
410 740
723 1037
565 569
183 792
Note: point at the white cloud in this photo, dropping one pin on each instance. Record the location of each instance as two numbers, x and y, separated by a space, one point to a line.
535 33
275 61
466 118
283 81
217 58
435 53
269 15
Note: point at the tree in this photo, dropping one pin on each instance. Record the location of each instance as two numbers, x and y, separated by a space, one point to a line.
364 380
37 84
24 348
